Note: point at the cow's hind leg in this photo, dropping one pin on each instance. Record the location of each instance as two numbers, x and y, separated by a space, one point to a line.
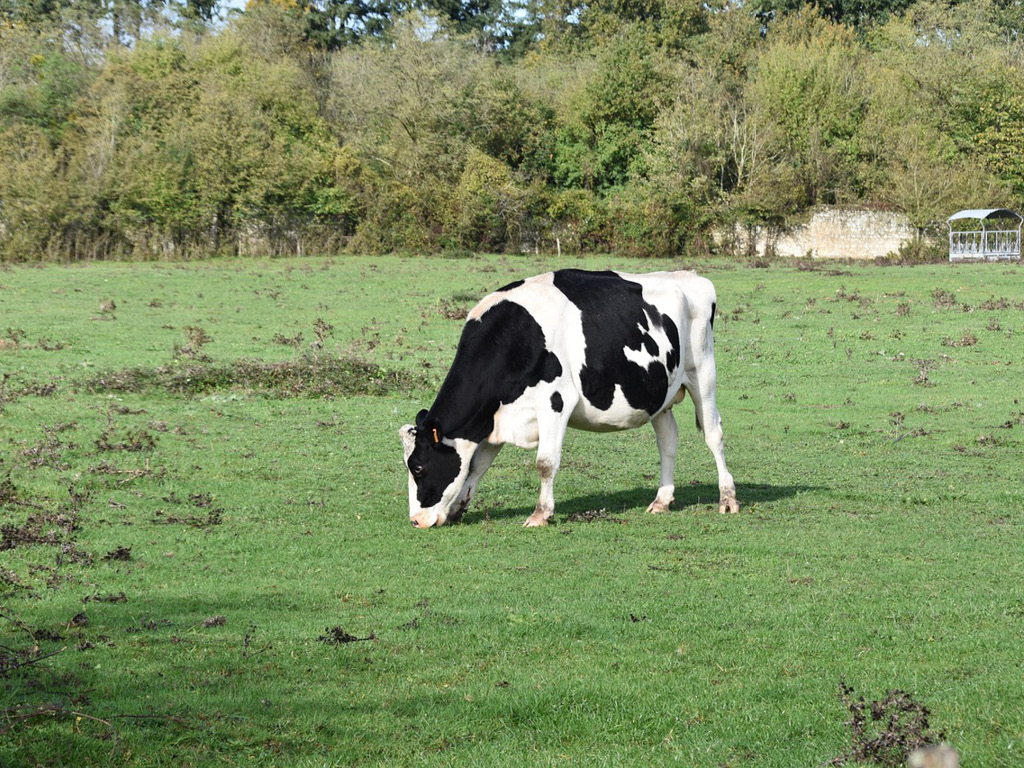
710 422
667 434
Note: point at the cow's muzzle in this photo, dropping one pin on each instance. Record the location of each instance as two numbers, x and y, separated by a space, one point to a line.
423 520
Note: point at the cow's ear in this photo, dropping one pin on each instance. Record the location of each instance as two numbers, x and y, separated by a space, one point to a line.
408 435
429 427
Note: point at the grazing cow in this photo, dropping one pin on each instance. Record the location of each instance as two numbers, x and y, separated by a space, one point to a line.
599 351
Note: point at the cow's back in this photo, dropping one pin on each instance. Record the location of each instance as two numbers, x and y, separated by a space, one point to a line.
623 340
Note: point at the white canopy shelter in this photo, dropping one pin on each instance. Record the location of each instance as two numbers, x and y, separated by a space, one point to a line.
998 238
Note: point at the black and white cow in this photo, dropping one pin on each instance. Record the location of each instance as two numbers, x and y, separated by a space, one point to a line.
599 351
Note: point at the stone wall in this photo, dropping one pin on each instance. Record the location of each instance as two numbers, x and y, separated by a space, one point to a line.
832 233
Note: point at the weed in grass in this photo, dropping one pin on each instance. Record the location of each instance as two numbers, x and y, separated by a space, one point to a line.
131 440
47 345
109 598
147 624
211 518
249 643
196 339
452 310
967 339
323 331
49 453
922 380
591 515
12 339
943 299
4 378
288 341
337 636
886 731
993 304
120 554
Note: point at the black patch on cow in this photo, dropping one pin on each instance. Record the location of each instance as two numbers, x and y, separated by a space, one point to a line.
510 286
433 464
501 354
615 316
714 308
556 403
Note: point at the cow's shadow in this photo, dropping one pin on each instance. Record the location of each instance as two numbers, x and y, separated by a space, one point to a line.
635 500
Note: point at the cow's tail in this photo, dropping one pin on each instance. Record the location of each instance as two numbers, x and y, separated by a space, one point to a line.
709 346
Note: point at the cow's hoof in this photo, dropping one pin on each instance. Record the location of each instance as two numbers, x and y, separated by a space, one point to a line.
535 521
657 507
728 505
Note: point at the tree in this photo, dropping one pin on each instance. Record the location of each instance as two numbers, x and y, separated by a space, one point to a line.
603 143
409 108
808 83
334 24
851 13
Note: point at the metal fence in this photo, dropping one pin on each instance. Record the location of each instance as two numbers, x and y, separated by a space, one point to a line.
996 245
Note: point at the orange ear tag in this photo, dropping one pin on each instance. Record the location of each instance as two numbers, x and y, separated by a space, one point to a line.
436 438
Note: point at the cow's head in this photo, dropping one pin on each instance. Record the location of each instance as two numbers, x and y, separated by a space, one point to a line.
438 467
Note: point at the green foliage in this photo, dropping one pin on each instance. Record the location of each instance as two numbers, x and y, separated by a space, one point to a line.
579 221
128 130
604 144
488 208
808 85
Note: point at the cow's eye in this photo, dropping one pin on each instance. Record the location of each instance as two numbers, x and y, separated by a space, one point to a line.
417 470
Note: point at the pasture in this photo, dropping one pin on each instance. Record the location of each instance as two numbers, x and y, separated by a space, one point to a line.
206 555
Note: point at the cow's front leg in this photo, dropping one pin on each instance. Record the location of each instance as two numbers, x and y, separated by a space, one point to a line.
482 460
667 434
551 428
547 468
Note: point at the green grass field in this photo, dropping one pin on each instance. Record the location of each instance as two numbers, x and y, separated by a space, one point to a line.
205 561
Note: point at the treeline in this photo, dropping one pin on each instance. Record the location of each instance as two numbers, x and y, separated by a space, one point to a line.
133 129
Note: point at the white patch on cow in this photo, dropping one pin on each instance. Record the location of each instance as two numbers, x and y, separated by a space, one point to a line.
486 303
620 415
516 423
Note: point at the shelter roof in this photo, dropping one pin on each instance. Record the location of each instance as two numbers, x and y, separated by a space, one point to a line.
986 213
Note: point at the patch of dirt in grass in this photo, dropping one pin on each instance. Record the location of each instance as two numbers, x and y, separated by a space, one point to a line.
201 501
